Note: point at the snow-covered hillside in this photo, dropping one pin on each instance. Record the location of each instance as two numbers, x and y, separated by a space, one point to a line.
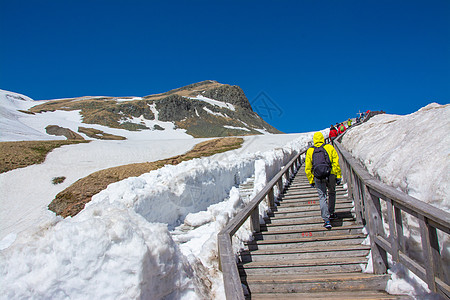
17 125
409 152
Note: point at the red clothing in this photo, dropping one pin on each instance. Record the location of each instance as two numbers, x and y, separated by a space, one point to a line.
333 133
341 129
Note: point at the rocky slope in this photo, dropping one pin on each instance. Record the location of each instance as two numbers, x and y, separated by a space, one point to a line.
203 109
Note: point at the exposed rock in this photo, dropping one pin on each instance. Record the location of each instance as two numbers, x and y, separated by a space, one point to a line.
175 108
61 131
231 94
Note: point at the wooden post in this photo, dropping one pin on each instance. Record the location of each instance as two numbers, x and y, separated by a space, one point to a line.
357 198
254 219
271 198
399 229
379 255
392 232
431 252
280 186
231 278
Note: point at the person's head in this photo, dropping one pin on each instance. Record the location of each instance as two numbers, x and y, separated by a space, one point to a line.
318 139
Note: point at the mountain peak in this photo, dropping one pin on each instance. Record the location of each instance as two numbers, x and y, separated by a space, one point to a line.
203 109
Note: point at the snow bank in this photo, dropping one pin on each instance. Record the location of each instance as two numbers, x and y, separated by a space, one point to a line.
410 153
120 245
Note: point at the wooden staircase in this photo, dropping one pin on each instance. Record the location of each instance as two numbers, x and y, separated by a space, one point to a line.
295 257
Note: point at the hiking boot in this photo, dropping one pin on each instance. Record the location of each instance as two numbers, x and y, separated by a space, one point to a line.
327 225
333 216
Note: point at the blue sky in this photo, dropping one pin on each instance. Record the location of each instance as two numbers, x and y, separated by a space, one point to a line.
303 64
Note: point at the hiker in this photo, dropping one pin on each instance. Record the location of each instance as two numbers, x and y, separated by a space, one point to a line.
341 128
333 133
349 123
323 172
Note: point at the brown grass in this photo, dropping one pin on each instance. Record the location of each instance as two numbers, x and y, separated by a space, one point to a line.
73 199
98 134
25 153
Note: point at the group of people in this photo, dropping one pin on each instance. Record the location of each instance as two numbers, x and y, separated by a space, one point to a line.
361 116
339 128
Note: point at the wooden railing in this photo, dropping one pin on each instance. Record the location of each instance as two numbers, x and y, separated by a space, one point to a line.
379 206
227 257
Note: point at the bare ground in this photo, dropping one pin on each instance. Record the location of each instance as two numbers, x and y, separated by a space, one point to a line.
14 155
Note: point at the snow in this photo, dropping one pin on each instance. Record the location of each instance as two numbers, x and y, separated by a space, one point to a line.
214 113
237 128
128 99
214 102
154 236
410 153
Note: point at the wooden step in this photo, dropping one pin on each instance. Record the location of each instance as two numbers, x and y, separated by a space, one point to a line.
345 295
307 242
303 227
300 199
311 191
304 253
283 233
301 190
276 232
309 206
312 217
279 212
316 265
312 283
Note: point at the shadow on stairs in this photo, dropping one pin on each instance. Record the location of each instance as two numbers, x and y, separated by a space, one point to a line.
295 257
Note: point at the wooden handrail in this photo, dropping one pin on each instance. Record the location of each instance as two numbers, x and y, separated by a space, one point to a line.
227 258
367 192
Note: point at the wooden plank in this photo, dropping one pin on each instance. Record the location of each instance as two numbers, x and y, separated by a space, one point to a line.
363 295
232 282
311 239
319 284
383 243
444 288
415 267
